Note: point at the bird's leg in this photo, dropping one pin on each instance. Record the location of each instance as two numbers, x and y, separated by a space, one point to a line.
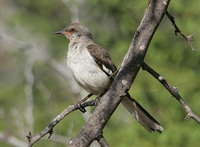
86 98
81 108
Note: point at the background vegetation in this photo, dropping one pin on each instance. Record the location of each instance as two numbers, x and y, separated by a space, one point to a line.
35 84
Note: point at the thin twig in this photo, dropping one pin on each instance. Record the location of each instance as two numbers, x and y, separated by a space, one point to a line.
56 120
177 30
172 90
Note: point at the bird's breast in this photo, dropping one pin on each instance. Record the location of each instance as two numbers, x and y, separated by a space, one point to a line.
86 71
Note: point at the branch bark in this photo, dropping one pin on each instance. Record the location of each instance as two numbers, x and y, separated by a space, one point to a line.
177 30
173 91
124 79
56 120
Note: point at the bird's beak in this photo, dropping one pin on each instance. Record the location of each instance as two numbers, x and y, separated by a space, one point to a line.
59 32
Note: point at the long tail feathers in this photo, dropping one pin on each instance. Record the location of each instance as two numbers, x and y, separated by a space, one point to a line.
141 115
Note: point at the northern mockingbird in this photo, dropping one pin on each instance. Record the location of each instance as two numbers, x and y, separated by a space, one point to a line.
92 67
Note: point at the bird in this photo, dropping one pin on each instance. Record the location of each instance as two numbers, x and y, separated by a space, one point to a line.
92 68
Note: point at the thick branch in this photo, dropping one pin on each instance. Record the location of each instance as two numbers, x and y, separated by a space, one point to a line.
172 90
49 128
177 30
127 73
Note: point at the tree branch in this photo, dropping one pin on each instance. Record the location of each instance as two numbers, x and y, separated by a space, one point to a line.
172 90
127 73
56 120
177 30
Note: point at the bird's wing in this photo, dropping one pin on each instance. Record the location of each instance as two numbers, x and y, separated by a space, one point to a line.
102 58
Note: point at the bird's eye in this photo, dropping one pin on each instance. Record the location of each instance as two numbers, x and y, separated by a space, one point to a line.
73 30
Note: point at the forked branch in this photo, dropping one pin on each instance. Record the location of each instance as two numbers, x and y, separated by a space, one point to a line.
56 120
177 30
172 90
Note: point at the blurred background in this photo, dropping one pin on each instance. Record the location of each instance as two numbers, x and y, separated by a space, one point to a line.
35 84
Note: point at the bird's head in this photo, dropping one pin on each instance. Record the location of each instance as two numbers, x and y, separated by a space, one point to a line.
75 31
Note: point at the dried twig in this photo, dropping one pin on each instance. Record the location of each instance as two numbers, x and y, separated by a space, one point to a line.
49 128
177 30
172 90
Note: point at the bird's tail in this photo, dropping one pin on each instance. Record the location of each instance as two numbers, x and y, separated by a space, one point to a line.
141 115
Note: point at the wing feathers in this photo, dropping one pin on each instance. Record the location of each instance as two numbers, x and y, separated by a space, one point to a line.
102 58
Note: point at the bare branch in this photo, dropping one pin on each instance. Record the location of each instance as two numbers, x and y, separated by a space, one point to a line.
56 120
177 30
172 90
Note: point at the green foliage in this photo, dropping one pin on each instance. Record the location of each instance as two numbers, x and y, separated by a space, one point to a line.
113 23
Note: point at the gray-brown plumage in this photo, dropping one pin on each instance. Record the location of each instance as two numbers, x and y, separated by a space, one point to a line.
92 67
